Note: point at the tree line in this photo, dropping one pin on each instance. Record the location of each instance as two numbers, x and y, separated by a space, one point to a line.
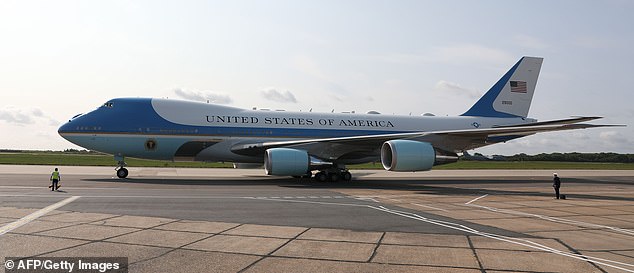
562 157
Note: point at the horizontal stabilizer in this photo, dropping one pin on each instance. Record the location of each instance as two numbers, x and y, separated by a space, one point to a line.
553 122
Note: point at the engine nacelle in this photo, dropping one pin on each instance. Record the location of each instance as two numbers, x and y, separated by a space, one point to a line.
286 161
407 155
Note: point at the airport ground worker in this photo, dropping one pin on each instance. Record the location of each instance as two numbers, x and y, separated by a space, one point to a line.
55 178
556 184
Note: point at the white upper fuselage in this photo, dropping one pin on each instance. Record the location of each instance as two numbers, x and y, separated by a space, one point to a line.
209 115
177 129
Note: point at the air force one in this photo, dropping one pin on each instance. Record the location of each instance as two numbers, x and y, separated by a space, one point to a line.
298 143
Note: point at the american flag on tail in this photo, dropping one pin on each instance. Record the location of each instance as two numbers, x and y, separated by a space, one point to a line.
518 87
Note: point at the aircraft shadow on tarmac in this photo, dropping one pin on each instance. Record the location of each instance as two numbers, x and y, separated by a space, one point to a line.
439 186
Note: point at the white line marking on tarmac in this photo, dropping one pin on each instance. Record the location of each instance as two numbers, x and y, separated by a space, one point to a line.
66 188
455 226
549 218
393 200
518 241
476 199
134 196
554 219
26 219
596 192
466 229
173 196
20 187
425 206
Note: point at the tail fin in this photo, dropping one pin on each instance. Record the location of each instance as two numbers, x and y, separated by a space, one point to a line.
511 96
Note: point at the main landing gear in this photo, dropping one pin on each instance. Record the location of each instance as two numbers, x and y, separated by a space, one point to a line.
122 172
333 175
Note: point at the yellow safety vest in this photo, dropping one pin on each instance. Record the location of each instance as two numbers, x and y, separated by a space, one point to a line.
55 175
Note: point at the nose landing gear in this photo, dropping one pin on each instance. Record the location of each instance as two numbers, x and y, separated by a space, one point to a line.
122 172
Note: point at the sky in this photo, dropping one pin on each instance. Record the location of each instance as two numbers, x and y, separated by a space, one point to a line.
61 58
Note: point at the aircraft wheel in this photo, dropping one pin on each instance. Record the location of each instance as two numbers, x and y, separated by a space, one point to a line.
308 174
346 176
321 177
334 177
122 173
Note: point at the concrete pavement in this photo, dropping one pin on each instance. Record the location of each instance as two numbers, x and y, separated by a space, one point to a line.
210 220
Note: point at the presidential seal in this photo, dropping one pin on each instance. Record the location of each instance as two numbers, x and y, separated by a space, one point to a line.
150 144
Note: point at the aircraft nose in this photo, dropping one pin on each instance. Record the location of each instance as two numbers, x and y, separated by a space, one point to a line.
67 127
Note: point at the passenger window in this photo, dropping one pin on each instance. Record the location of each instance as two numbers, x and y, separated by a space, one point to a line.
107 105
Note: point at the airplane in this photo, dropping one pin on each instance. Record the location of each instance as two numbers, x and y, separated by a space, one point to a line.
298 143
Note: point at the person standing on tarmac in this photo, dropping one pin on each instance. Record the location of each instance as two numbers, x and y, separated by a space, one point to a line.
55 178
556 184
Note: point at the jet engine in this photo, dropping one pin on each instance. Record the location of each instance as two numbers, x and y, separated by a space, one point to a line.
286 161
407 155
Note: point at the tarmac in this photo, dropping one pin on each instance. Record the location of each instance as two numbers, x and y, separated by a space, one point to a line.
227 220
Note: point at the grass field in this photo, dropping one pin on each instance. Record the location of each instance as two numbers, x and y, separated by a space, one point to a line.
64 159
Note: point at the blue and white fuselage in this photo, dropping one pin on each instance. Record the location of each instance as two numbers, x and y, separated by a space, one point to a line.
124 126
295 143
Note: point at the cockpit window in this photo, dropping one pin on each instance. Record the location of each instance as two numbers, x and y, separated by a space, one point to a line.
108 104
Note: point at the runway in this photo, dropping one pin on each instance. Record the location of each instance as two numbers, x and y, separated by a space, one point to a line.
243 221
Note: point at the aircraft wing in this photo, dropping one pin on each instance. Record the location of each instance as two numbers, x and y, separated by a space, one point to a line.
463 139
